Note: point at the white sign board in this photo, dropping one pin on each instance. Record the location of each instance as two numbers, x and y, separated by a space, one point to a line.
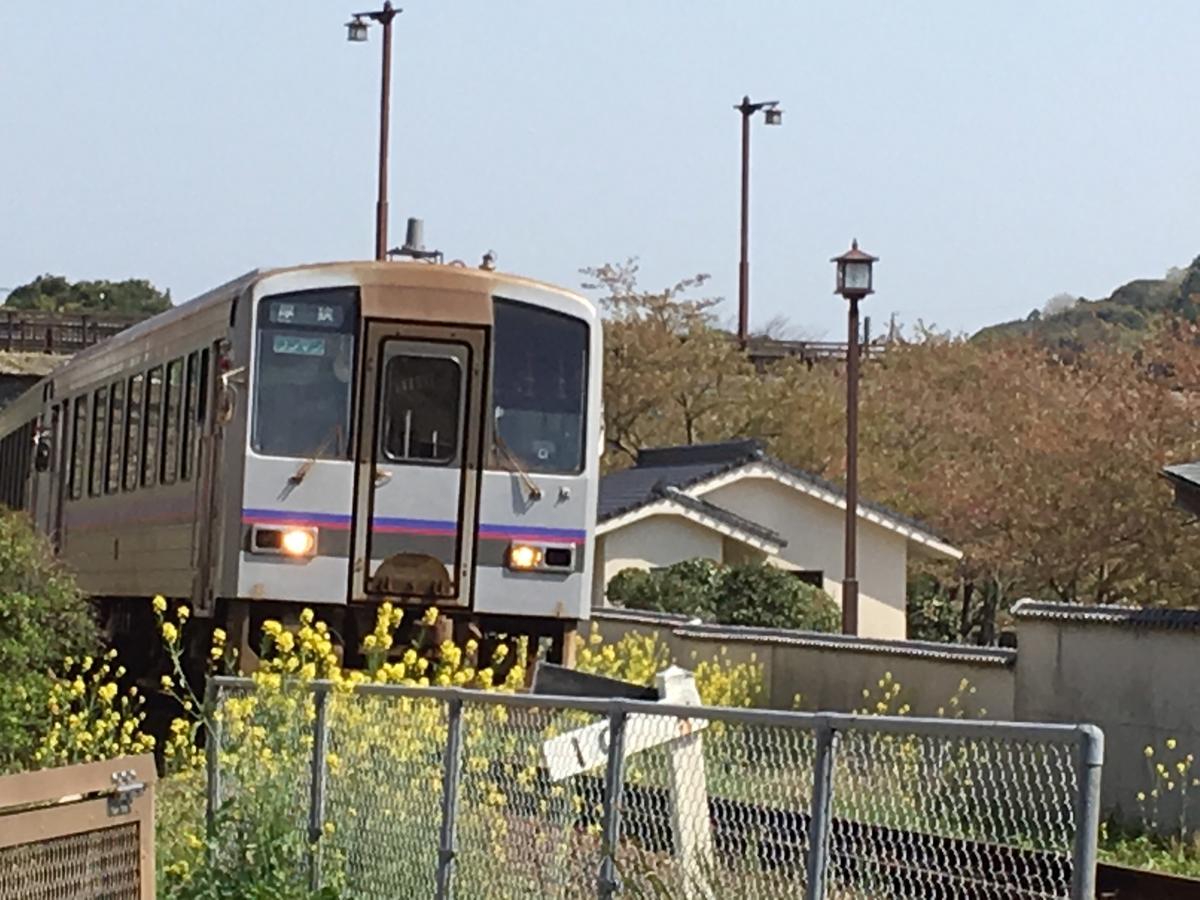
586 748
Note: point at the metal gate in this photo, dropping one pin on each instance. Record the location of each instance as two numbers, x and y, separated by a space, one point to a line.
83 832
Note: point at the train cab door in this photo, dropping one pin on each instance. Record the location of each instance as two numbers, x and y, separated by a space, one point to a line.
49 472
418 463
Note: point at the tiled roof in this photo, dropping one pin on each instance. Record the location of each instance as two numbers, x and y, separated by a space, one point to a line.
1186 472
964 653
1130 616
683 467
733 520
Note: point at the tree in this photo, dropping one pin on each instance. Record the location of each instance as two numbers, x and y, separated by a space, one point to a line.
55 293
1040 462
670 376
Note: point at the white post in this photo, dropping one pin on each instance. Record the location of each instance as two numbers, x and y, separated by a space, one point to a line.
689 785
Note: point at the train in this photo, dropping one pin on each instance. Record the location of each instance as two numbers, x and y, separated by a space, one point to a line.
329 435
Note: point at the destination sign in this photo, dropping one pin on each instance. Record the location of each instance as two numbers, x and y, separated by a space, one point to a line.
312 315
298 346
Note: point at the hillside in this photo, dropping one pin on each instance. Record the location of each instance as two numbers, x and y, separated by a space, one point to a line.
1131 309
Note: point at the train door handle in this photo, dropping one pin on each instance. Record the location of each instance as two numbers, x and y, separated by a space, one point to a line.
382 477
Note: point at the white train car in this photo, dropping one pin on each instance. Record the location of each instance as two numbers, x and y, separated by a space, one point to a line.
327 435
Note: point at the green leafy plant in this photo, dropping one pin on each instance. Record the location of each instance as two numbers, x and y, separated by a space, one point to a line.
754 594
43 620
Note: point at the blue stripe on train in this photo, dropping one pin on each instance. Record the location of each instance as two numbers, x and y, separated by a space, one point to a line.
489 532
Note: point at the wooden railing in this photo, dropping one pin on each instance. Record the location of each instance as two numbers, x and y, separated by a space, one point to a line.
34 331
764 350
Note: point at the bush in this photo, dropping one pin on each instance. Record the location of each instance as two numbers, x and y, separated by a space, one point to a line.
43 619
753 594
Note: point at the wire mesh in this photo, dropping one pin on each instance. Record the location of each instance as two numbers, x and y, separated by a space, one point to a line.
719 810
265 764
521 833
384 770
712 804
95 865
934 816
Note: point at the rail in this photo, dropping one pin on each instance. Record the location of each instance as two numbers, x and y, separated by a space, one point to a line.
36 331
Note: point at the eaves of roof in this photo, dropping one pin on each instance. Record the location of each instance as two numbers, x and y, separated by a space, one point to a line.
963 653
1155 618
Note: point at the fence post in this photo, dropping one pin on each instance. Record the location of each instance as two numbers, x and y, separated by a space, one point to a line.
1089 767
316 797
452 767
212 760
614 780
822 806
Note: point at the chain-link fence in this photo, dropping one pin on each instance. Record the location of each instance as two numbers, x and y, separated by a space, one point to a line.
394 791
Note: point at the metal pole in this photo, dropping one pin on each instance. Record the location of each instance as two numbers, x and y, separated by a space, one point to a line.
818 824
747 110
1089 762
316 799
850 573
451 769
212 760
385 99
614 779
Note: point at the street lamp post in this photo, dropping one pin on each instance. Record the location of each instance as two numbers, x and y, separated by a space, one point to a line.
356 32
774 116
854 282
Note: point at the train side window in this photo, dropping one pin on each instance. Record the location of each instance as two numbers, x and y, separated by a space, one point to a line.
133 430
116 434
170 432
202 391
187 420
79 447
151 425
98 461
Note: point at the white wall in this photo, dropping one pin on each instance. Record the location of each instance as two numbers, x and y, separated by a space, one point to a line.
813 529
659 540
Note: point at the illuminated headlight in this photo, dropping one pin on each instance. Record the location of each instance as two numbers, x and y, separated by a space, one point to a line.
532 557
523 556
295 542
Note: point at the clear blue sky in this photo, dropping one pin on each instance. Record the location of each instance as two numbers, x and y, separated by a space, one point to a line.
992 154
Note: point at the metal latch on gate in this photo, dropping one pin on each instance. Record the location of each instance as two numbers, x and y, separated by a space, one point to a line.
126 789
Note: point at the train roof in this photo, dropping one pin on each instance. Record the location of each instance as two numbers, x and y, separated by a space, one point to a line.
416 274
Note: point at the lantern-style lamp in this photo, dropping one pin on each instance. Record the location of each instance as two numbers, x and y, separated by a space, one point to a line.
356 30
773 114
854 273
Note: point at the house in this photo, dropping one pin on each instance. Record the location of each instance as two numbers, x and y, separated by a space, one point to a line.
732 503
1185 479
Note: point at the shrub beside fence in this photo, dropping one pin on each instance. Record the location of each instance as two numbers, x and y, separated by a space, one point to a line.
385 791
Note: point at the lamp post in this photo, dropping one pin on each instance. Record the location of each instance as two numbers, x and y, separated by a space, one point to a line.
774 116
854 281
356 32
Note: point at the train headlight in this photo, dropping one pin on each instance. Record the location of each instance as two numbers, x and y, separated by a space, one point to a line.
299 542
523 556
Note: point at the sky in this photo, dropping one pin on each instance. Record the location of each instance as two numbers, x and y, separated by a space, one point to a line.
991 154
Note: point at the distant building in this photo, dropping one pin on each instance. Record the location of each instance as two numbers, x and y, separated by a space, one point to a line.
732 503
1185 479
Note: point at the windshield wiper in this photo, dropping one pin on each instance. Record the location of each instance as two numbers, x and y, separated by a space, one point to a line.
297 478
535 492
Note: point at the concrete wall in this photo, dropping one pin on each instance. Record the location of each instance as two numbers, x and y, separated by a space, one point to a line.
1136 676
830 672
814 532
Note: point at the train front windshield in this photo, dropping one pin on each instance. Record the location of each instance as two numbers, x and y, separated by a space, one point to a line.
305 367
540 386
